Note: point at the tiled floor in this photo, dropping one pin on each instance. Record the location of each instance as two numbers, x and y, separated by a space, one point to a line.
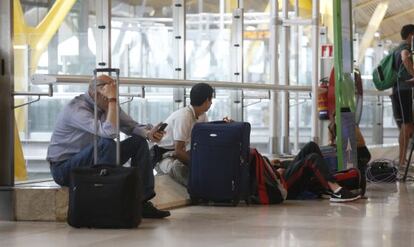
385 219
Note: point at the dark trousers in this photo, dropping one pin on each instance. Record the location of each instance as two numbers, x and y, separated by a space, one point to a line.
364 157
134 148
307 165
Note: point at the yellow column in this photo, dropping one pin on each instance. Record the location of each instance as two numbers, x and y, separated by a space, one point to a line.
33 41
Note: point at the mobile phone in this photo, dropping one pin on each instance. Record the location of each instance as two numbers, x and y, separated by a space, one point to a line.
162 127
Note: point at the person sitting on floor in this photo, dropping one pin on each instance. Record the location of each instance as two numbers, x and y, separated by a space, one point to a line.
306 166
175 147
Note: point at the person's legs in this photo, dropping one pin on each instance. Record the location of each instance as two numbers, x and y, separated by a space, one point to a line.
309 148
136 148
175 169
364 157
106 155
165 165
403 115
406 133
157 153
179 172
299 174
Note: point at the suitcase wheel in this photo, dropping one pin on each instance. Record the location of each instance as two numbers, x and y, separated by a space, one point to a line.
248 201
194 200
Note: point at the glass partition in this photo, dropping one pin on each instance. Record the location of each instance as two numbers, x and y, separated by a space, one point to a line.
143 44
208 40
142 38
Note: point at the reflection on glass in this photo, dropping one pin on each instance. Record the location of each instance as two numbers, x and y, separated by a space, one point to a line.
300 122
141 38
72 50
256 41
208 41
256 112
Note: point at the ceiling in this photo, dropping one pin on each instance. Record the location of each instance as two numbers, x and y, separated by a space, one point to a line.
399 13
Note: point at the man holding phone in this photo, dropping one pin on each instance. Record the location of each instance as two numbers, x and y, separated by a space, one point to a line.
177 140
71 144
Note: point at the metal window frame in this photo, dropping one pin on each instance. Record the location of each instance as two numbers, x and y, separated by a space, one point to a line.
103 39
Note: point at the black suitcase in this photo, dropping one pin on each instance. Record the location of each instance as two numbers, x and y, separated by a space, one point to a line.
219 170
108 195
104 197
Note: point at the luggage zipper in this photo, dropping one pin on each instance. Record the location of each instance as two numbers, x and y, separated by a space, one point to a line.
241 155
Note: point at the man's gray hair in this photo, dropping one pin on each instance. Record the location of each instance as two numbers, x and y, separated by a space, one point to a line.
99 82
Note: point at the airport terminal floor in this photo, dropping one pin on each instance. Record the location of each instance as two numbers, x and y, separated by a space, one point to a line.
384 219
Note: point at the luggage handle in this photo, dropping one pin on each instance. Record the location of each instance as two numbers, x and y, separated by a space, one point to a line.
95 111
218 122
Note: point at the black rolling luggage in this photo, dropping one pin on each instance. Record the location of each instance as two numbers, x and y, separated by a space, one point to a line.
105 195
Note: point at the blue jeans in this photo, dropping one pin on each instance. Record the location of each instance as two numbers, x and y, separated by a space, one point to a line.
134 148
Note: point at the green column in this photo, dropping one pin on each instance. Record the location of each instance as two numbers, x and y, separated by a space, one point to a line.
344 84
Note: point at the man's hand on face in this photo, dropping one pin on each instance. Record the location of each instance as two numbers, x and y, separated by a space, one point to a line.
155 135
109 90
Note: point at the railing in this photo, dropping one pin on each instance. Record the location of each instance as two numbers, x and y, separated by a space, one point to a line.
128 81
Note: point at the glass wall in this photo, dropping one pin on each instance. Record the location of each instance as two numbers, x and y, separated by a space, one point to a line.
70 50
208 40
376 108
142 38
144 44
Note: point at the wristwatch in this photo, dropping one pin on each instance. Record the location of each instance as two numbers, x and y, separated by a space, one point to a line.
147 136
112 100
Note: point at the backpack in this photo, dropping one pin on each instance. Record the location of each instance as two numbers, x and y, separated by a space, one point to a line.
349 178
384 75
267 186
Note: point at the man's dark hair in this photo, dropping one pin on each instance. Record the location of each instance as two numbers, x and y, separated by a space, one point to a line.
199 93
406 31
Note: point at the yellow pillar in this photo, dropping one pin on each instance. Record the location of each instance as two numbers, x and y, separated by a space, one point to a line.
33 40
20 172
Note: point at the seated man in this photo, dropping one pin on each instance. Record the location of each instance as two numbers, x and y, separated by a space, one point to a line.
307 165
71 144
175 147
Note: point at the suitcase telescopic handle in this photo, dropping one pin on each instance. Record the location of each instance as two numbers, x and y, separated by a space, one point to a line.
95 114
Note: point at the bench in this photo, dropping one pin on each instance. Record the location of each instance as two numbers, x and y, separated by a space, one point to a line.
47 201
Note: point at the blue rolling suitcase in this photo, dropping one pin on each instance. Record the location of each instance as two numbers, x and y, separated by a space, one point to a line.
219 170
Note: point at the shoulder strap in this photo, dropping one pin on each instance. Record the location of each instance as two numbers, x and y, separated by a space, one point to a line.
261 186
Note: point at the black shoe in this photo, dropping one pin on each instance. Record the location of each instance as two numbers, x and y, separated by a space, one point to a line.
149 211
344 195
